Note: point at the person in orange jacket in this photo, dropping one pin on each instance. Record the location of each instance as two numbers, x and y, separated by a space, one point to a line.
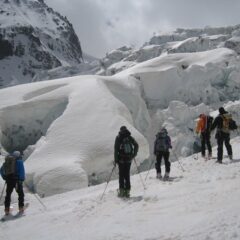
204 129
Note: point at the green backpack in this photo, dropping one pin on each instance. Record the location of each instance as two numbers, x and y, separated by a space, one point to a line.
126 147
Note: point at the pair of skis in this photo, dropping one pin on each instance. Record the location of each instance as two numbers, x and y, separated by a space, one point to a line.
11 216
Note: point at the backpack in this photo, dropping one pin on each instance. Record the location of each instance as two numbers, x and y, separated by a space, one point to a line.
209 122
9 166
126 147
228 123
206 123
161 144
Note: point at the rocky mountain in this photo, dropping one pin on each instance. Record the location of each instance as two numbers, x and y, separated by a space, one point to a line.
34 38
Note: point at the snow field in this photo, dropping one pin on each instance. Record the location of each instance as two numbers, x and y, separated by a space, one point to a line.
200 203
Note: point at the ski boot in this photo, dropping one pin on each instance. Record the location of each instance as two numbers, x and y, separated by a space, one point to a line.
7 211
166 176
159 176
21 210
121 192
127 193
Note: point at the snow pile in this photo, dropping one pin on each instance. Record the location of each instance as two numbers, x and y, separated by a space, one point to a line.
73 123
200 203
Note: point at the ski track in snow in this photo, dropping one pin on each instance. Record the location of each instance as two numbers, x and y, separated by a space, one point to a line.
200 203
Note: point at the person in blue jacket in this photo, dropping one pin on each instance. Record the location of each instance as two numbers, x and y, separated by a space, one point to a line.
14 181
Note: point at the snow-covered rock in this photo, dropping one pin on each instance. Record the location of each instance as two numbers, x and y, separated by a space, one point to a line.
178 41
189 77
34 38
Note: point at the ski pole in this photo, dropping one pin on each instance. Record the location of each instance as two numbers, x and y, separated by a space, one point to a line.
3 191
37 197
108 182
139 174
178 161
149 169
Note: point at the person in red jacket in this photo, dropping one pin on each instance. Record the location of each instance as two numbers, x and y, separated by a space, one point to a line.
204 129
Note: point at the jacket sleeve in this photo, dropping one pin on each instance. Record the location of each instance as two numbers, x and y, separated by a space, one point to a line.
216 123
199 126
2 173
20 170
154 147
116 150
169 142
135 144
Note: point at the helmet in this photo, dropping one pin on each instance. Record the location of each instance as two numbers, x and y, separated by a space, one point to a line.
16 154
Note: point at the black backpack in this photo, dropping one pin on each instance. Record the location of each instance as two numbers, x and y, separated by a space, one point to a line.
126 147
161 142
232 124
209 122
9 166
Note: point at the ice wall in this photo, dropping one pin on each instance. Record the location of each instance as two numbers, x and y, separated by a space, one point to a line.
24 124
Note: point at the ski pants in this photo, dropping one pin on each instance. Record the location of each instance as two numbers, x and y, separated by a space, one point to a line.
11 184
205 140
159 157
124 175
223 138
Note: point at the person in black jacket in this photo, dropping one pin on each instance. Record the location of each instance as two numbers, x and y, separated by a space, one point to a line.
125 149
222 134
162 145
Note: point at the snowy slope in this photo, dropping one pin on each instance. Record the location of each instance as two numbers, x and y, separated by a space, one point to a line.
201 203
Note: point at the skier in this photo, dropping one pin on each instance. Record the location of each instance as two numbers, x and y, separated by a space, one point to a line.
223 125
162 145
204 129
13 172
125 149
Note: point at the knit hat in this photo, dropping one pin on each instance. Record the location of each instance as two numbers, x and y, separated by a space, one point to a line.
222 110
123 128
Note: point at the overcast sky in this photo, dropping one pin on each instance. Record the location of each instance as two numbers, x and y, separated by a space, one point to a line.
103 25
